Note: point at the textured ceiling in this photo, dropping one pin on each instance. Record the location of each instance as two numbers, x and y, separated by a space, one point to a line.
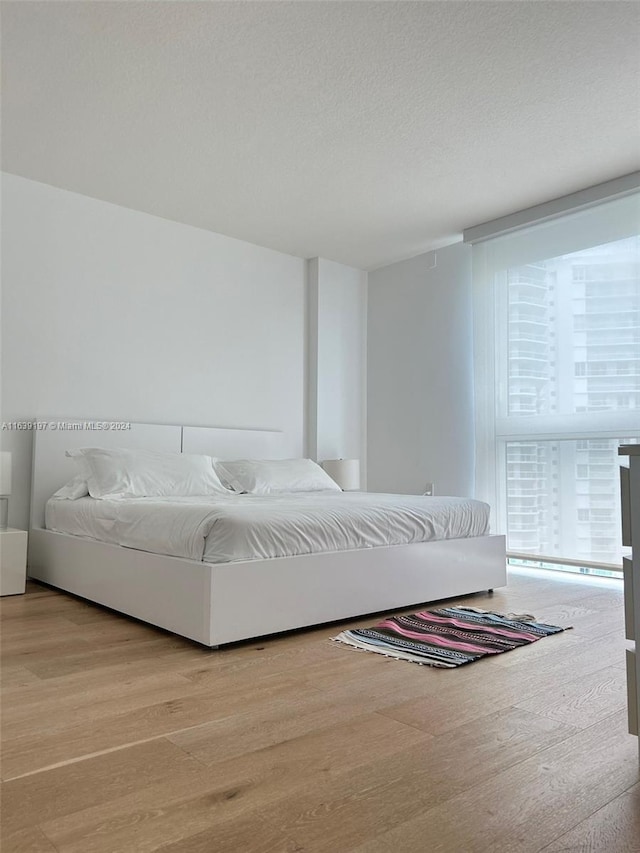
364 132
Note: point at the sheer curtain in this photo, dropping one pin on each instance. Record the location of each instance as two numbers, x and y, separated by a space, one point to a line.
557 355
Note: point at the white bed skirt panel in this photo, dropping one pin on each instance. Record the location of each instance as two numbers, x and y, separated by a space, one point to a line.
215 604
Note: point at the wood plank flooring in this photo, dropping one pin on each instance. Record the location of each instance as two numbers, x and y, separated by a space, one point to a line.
120 738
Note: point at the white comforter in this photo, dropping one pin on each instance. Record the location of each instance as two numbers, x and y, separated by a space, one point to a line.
250 527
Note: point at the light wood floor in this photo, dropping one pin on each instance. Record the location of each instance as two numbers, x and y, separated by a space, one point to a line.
118 737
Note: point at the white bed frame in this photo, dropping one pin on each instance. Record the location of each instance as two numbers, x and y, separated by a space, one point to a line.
215 604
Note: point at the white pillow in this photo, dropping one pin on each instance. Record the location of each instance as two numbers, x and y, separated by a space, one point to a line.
74 489
120 473
275 476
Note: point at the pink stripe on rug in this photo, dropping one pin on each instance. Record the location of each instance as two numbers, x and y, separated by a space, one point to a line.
479 629
436 640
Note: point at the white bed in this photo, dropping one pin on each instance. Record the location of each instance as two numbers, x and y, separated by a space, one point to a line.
220 602
239 527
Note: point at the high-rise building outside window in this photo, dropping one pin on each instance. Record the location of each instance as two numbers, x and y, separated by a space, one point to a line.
558 379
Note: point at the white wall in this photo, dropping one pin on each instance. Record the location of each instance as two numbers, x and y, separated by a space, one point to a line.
420 374
114 314
337 362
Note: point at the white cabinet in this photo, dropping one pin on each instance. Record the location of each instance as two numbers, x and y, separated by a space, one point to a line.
630 494
13 561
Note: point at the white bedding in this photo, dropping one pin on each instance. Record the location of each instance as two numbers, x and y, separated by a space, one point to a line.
249 527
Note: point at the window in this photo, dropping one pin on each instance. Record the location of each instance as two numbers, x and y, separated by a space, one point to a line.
557 310
579 273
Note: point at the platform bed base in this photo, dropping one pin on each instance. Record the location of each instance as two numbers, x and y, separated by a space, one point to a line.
221 603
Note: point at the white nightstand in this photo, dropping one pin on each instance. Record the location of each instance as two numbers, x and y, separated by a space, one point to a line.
13 561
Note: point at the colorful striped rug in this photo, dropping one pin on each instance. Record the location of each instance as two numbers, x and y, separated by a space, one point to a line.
448 637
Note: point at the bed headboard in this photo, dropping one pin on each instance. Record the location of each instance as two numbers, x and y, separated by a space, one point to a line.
52 469
232 443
